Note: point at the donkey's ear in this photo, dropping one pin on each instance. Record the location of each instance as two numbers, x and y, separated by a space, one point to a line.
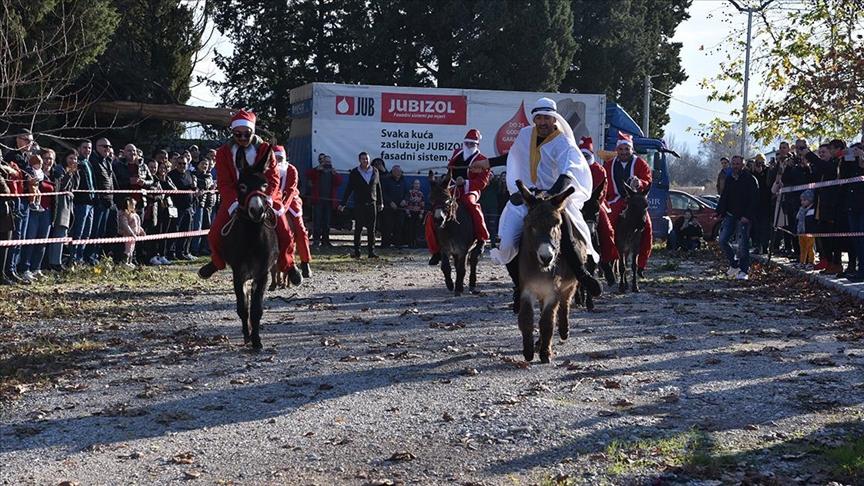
264 161
527 196
558 200
628 191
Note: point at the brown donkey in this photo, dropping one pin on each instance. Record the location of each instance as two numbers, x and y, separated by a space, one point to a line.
544 276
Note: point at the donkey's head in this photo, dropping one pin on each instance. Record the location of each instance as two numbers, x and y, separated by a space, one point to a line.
637 200
252 190
444 200
542 231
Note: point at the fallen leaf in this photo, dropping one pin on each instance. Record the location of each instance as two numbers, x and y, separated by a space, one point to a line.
183 458
402 456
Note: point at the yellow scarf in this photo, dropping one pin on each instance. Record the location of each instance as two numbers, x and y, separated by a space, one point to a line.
535 150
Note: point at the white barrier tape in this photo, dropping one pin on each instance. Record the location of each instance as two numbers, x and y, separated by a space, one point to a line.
817 185
107 191
824 235
64 193
95 241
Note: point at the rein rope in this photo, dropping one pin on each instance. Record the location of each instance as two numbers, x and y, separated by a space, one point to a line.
452 206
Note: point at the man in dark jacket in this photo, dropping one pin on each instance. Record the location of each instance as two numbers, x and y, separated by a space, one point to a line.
101 165
395 190
762 225
82 202
853 165
364 183
185 204
738 207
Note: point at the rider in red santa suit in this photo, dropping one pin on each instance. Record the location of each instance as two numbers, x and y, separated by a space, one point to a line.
605 233
470 171
291 215
626 167
244 150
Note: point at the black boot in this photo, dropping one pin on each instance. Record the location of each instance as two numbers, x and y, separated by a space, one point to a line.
207 270
513 270
294 276
435 259
568 252
304 269
640 272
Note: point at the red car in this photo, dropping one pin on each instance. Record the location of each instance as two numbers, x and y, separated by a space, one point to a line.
679 201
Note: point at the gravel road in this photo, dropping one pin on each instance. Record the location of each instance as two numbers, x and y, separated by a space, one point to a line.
372 373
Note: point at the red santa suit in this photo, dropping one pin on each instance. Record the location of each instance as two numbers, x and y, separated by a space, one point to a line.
227 177
605 232
291 213
622 171
469 194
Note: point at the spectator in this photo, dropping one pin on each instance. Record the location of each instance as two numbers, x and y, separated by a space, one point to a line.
16 178
394 188
185 204
204 209
415 210
132 174
806 223
101 165
794 171
65 181
364 183
723 174
167 213
195 154
686 233
828 206
7 209
82 207
129 224
853 165
324 183
39 225
762 223
737 206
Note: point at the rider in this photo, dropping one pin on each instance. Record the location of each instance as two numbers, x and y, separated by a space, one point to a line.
605 233
291 214
545 156
243 151
470 171
628 168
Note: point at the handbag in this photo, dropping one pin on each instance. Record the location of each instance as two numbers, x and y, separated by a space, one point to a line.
172 212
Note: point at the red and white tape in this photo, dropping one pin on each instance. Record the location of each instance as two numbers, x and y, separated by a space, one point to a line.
112 191
116 239
855 234
817 185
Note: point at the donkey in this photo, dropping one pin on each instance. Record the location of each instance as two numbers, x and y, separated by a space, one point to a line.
250 247
591 213
628 234
542 274
455 231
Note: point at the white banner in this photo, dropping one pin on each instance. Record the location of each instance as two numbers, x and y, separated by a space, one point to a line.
419 128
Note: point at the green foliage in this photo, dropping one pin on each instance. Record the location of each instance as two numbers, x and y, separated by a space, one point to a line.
622 41
692 451
451 43
811 55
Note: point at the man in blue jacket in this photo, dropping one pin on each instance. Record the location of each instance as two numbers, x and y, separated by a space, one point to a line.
738 207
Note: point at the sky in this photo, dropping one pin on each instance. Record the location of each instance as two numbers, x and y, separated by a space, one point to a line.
689 107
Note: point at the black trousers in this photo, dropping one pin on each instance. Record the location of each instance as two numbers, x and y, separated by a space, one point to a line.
392 226
364 216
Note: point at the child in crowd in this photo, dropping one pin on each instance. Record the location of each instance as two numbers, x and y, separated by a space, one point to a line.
130 225
806 223
415 209
37 175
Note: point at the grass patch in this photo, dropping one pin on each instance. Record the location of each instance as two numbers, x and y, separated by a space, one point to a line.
693 451
672 279
847 459
669 266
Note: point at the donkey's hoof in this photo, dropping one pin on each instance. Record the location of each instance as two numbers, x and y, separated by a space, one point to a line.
272 286
457 293
563 334
544 358
449 285
622 289
635 289
474 291
256 346
528 354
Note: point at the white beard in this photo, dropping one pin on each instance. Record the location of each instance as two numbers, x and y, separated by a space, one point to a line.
468 152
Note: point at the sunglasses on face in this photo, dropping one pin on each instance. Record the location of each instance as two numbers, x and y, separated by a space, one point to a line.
105 146
242 134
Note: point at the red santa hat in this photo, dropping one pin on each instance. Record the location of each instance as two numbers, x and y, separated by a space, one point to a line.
586 144
624 139
473 135
279 150
243 118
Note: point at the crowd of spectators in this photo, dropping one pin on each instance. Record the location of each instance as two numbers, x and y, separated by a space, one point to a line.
68 196
750 190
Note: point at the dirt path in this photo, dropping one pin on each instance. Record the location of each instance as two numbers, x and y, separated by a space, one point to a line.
373 374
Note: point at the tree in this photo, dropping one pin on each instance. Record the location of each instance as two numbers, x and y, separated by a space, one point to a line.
690 169
44 46
150 60
451 43
620 43
811 54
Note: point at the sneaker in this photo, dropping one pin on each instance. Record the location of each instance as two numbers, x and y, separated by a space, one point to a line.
355 254
154 260
187 256
38 274
28 277
130 266
742 276
732 272
164 261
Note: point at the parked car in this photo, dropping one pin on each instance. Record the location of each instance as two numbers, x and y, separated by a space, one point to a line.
679 201
711 199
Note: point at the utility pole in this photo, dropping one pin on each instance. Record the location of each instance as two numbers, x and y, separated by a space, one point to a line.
646 106
749 11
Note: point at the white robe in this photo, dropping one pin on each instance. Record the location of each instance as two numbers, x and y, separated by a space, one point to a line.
559 156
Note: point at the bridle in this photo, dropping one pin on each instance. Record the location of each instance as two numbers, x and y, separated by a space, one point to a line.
451 204
269 219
